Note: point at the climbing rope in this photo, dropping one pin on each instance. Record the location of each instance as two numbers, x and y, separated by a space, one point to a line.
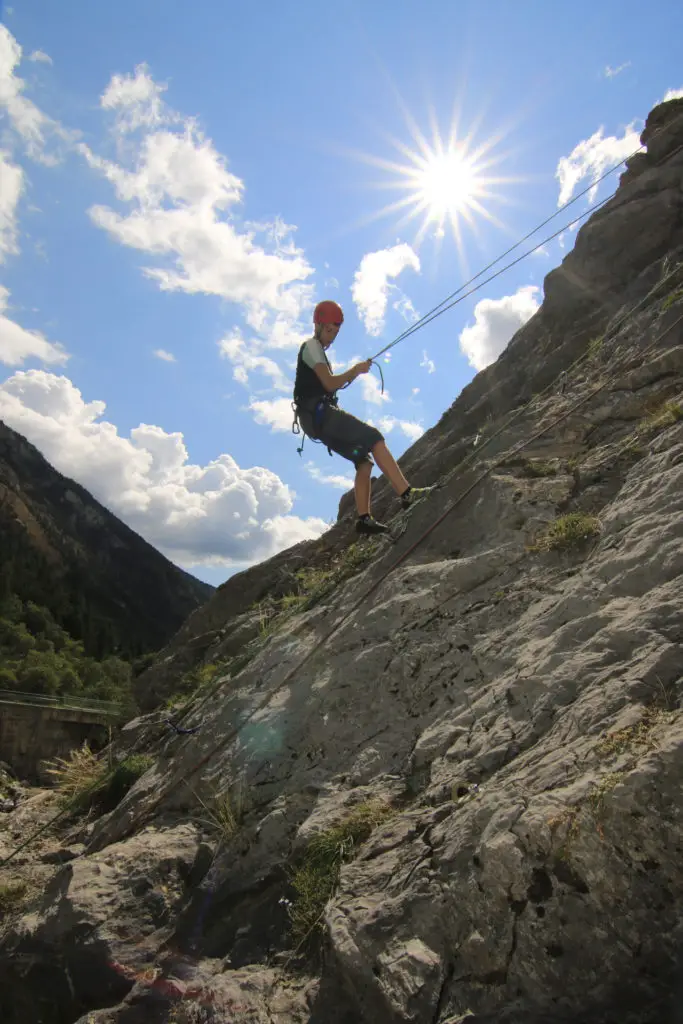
232 734
321 643
235 731
437 311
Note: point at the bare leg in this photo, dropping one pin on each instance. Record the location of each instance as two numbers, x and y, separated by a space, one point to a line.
361 486
387 463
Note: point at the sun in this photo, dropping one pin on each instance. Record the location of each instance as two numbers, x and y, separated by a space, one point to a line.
448 182
446 185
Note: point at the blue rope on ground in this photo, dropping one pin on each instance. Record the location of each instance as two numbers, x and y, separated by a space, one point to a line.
181 732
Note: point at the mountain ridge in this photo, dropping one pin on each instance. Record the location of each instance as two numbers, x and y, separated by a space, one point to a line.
63 549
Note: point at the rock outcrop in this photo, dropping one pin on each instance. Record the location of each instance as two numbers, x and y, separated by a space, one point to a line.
464 802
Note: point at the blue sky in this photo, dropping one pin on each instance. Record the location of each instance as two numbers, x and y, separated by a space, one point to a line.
179 185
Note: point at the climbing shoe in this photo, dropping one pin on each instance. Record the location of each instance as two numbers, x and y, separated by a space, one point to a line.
368 526
414 494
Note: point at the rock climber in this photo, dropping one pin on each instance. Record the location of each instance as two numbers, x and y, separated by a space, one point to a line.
316 410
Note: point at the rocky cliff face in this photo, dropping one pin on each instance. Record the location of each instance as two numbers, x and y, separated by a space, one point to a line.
61 548
457 798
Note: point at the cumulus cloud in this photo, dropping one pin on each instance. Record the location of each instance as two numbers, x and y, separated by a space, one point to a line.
137 100
275 413
166 357
495 322
214 514
591 158
672 94
17 344
371 284
412 430
245 359
343 483
179 203
427 363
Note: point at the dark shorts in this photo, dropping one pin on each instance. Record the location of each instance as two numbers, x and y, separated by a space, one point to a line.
341 432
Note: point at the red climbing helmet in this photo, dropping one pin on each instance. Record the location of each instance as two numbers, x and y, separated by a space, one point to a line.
328 312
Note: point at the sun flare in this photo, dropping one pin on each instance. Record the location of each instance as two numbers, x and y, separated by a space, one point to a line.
447 182
445 185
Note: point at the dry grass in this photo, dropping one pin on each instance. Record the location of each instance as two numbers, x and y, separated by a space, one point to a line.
664 416
77 774
83 782
225 812
12 896
637 737
568 822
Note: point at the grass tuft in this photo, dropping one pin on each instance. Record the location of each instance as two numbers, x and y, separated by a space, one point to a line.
666 415
315 881
85 782
568 531
538 468
225 812
637 737
12 895
672 298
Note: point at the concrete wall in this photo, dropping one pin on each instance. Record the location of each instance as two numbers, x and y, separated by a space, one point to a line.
30 735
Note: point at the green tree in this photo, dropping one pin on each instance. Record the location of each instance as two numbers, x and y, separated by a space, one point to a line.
38 679
37 619
8 680
15 638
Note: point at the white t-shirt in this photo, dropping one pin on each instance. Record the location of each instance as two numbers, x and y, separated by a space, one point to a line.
314 353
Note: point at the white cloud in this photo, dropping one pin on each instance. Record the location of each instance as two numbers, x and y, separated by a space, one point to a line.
613 72
343 483
427 363
275 413
135 99
38 57
29 123
24 115
371 285
591 158
495 322
213 514
245 359
282 333
11 187
17 344
672 94
162 354
180 203
412 430
405 308
371 389
416 391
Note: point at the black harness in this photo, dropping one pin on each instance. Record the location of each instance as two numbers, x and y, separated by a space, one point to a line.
308 389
